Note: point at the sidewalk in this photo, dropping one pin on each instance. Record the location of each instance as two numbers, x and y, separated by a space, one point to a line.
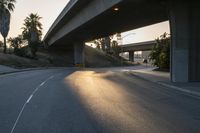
5 69
163 78
8 70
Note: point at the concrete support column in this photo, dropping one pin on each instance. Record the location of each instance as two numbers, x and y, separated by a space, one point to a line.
185 49
79 54
131 56
107 43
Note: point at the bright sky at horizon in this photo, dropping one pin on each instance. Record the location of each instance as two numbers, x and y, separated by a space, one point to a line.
50 9
147 33
47 9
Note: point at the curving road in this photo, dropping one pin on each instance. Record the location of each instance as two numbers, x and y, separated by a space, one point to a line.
93 101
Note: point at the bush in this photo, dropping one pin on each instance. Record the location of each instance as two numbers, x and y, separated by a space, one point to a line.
21 52
160 53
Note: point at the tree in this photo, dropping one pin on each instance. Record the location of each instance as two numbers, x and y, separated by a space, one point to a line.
1 44
103 43
115 48
16 43
32 32
100 44
160 53
5 7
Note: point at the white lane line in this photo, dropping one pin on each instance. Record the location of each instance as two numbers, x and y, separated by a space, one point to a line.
27 101
18 118
42 83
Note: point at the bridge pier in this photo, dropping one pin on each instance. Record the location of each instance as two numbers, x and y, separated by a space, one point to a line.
107 44
79 50
185 49
131 56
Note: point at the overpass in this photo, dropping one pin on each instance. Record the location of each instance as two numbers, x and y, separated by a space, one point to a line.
141 46
83 21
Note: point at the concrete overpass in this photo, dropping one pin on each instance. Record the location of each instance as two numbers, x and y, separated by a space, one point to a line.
83 21
141 46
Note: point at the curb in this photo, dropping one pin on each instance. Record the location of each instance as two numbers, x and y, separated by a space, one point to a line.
170 86
180 89
32 69
23 70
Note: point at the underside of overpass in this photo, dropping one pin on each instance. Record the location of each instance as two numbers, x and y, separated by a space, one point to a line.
132 14
86 20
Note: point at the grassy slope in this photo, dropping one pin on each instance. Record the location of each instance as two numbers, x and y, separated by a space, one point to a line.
96 58
20 62
93 58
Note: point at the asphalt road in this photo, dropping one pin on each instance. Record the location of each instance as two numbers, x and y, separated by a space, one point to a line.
93 101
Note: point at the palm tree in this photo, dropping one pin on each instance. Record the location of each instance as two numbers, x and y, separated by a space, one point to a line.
5 7
32 31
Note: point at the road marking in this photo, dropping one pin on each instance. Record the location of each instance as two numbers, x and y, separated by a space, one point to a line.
42 83
27 101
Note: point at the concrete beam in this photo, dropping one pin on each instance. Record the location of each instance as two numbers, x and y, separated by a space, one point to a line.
141 46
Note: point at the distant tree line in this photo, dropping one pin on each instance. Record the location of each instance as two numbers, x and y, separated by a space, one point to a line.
26 44
108 45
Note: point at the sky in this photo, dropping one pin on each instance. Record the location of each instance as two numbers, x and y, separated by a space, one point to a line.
147 33
47 9
50 9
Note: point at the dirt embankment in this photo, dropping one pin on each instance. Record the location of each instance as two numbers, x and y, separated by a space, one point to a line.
49 58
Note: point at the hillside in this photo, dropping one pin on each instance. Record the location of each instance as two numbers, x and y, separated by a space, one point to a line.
21 62
96 58
93 58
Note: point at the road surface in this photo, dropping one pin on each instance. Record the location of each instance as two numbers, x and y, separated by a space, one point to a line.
93 101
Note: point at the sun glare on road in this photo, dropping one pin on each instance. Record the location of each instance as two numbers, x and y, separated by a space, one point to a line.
107 100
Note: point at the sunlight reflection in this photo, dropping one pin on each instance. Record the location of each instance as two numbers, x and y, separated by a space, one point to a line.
108 101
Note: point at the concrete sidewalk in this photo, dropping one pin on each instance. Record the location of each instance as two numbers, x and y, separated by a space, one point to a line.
163 78
8 70
4 69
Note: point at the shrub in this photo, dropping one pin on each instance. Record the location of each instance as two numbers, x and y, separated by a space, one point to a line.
160 53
